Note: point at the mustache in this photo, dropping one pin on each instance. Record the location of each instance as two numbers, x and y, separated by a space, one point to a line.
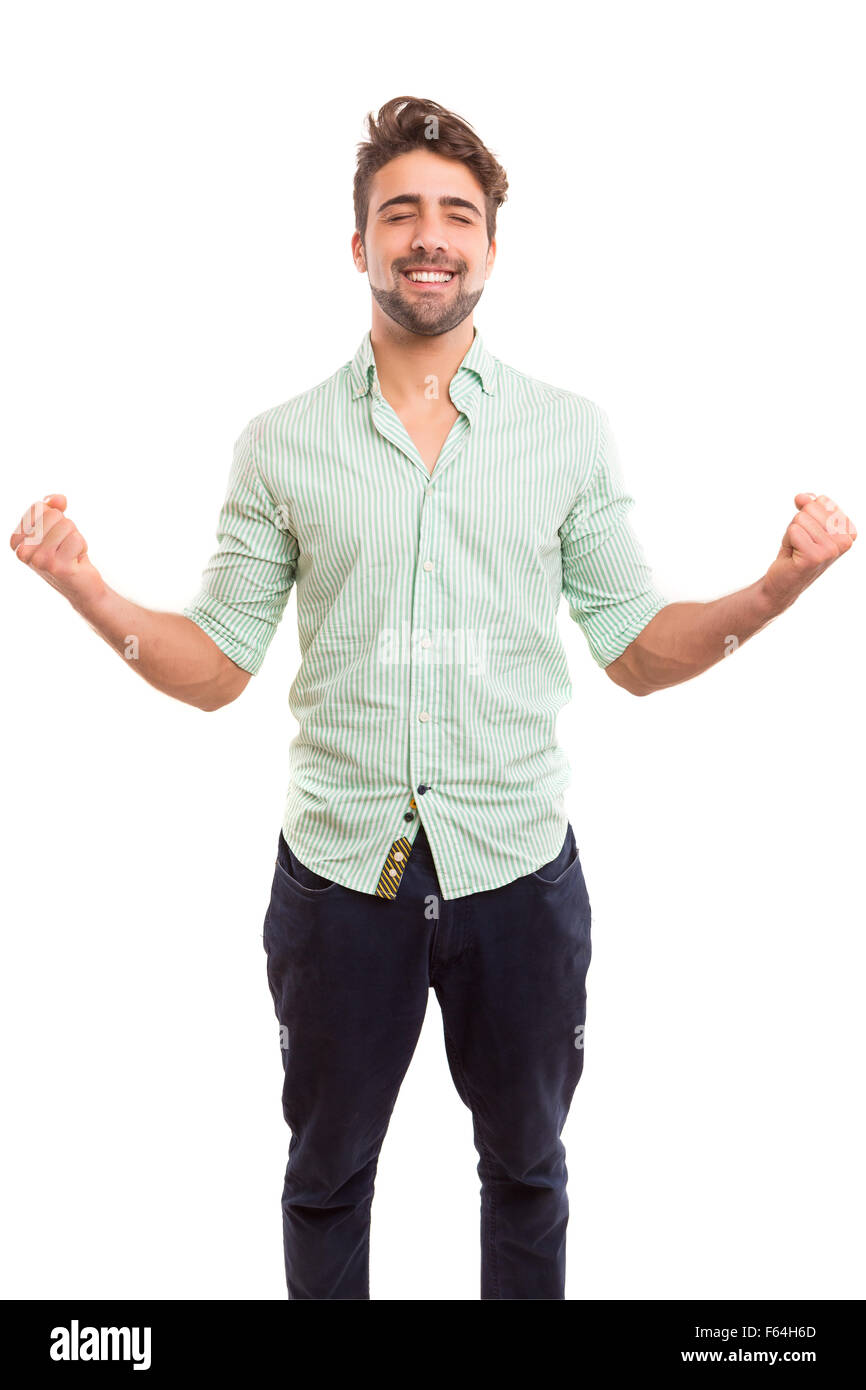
431 265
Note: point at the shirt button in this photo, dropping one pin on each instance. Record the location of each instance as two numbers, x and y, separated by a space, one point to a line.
410 815
423 716
428 564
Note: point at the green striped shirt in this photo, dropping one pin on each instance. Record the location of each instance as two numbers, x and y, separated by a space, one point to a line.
432 670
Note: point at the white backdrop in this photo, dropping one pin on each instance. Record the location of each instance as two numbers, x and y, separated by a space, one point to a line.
683 243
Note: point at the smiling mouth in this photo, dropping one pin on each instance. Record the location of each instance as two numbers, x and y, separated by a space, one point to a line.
440 282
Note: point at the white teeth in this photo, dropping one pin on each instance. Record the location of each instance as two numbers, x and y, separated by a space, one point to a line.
435 277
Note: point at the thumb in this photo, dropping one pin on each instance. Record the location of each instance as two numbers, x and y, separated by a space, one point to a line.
802 498
56 500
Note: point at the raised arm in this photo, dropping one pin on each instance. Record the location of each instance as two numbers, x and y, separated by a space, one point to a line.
169 651
607 580
684 639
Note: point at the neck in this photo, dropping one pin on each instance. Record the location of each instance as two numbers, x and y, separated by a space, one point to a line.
406 361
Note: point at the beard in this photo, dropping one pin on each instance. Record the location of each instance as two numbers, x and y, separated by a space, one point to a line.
427 314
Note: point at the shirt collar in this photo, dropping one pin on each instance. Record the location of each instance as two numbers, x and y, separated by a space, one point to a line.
478 360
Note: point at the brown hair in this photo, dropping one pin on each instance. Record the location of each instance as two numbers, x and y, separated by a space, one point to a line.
406 123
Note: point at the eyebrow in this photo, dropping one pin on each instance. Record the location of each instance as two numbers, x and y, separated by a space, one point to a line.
444 202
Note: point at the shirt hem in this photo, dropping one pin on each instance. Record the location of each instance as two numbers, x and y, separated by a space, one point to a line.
325 870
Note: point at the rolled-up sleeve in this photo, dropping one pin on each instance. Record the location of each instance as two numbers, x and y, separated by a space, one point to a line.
245 585
609 586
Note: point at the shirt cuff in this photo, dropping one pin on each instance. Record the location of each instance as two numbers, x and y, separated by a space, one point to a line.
606 646
247 657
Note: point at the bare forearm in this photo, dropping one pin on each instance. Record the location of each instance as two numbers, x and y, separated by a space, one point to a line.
168 650
684 639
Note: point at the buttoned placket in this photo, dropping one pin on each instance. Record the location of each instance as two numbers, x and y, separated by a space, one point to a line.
424 692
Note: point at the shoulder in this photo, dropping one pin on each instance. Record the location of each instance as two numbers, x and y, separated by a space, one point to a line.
530 392
279 424
570 428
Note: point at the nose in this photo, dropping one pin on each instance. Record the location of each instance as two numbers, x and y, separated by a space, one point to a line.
430 236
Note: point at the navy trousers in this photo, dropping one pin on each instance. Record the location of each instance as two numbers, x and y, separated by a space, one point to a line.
350 975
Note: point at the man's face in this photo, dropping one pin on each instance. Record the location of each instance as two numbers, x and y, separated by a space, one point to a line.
405 232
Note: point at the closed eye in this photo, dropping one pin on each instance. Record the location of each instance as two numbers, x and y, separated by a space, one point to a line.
404 215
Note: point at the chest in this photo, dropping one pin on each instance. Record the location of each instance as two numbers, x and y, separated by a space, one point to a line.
429 429
357 503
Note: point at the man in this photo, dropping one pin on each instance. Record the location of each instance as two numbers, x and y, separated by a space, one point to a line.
432 505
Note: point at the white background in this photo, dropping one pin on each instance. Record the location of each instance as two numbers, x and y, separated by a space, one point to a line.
683 243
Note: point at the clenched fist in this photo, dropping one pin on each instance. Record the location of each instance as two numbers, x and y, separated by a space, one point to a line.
817 535
51 544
